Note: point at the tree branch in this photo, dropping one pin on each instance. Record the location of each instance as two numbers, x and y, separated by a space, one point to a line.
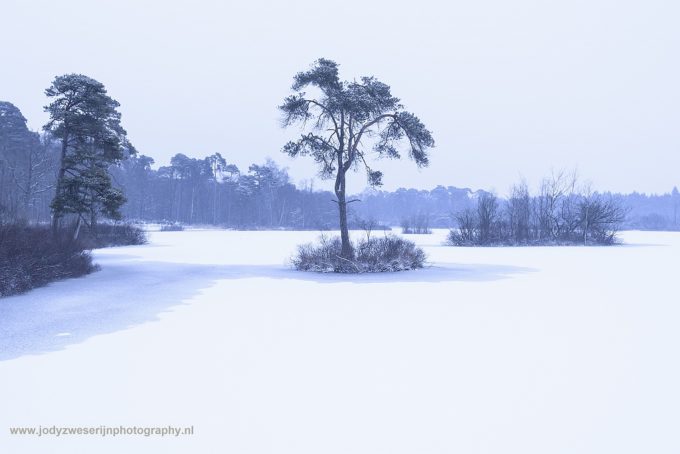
363 129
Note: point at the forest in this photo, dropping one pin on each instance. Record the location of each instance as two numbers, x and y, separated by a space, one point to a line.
212 191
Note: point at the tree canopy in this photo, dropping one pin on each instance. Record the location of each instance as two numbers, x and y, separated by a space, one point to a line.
346 120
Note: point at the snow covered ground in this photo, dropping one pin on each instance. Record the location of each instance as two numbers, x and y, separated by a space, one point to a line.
490 350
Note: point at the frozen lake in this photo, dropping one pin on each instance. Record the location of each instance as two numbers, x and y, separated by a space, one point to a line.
489 350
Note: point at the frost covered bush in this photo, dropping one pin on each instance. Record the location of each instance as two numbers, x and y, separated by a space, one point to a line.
370 255
31 257
108 235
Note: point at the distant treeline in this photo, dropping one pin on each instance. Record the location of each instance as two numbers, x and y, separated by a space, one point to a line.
441 206
212 191
28 169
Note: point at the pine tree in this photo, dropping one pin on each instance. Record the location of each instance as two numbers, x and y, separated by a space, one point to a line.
348 120
85 120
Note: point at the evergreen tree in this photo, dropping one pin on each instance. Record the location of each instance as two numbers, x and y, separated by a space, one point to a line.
86 122
344 116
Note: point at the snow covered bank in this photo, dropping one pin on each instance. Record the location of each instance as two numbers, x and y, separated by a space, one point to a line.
512 350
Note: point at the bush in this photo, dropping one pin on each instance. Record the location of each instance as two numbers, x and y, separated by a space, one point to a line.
559 215
31 257
109 235
371 255
172 228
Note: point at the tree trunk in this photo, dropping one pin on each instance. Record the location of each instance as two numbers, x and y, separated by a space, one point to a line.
29 185
77 231
191 208
93 221
585 228
214 216
346 250
60 179
283 212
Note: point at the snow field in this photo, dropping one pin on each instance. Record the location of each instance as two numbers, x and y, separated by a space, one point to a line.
490 350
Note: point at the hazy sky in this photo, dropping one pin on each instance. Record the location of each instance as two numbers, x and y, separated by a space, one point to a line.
508 88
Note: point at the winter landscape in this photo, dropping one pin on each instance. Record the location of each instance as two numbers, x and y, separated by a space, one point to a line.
363 228
485 350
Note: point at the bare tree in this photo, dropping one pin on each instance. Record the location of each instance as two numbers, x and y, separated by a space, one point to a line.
552 191
487 213
600 217
519 212
466 234
34 174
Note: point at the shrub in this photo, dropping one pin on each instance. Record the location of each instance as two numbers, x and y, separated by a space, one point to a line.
466 234
109 235
172 227
559 215
371 255
32 257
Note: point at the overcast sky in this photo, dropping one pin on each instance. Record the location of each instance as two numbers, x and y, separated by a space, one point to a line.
508 88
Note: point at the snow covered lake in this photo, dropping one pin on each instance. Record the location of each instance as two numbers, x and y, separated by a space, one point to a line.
489 350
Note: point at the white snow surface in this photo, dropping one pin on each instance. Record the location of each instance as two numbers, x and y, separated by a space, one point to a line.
489 350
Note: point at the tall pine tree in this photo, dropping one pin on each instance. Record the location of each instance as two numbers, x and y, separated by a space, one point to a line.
86 122
347 120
